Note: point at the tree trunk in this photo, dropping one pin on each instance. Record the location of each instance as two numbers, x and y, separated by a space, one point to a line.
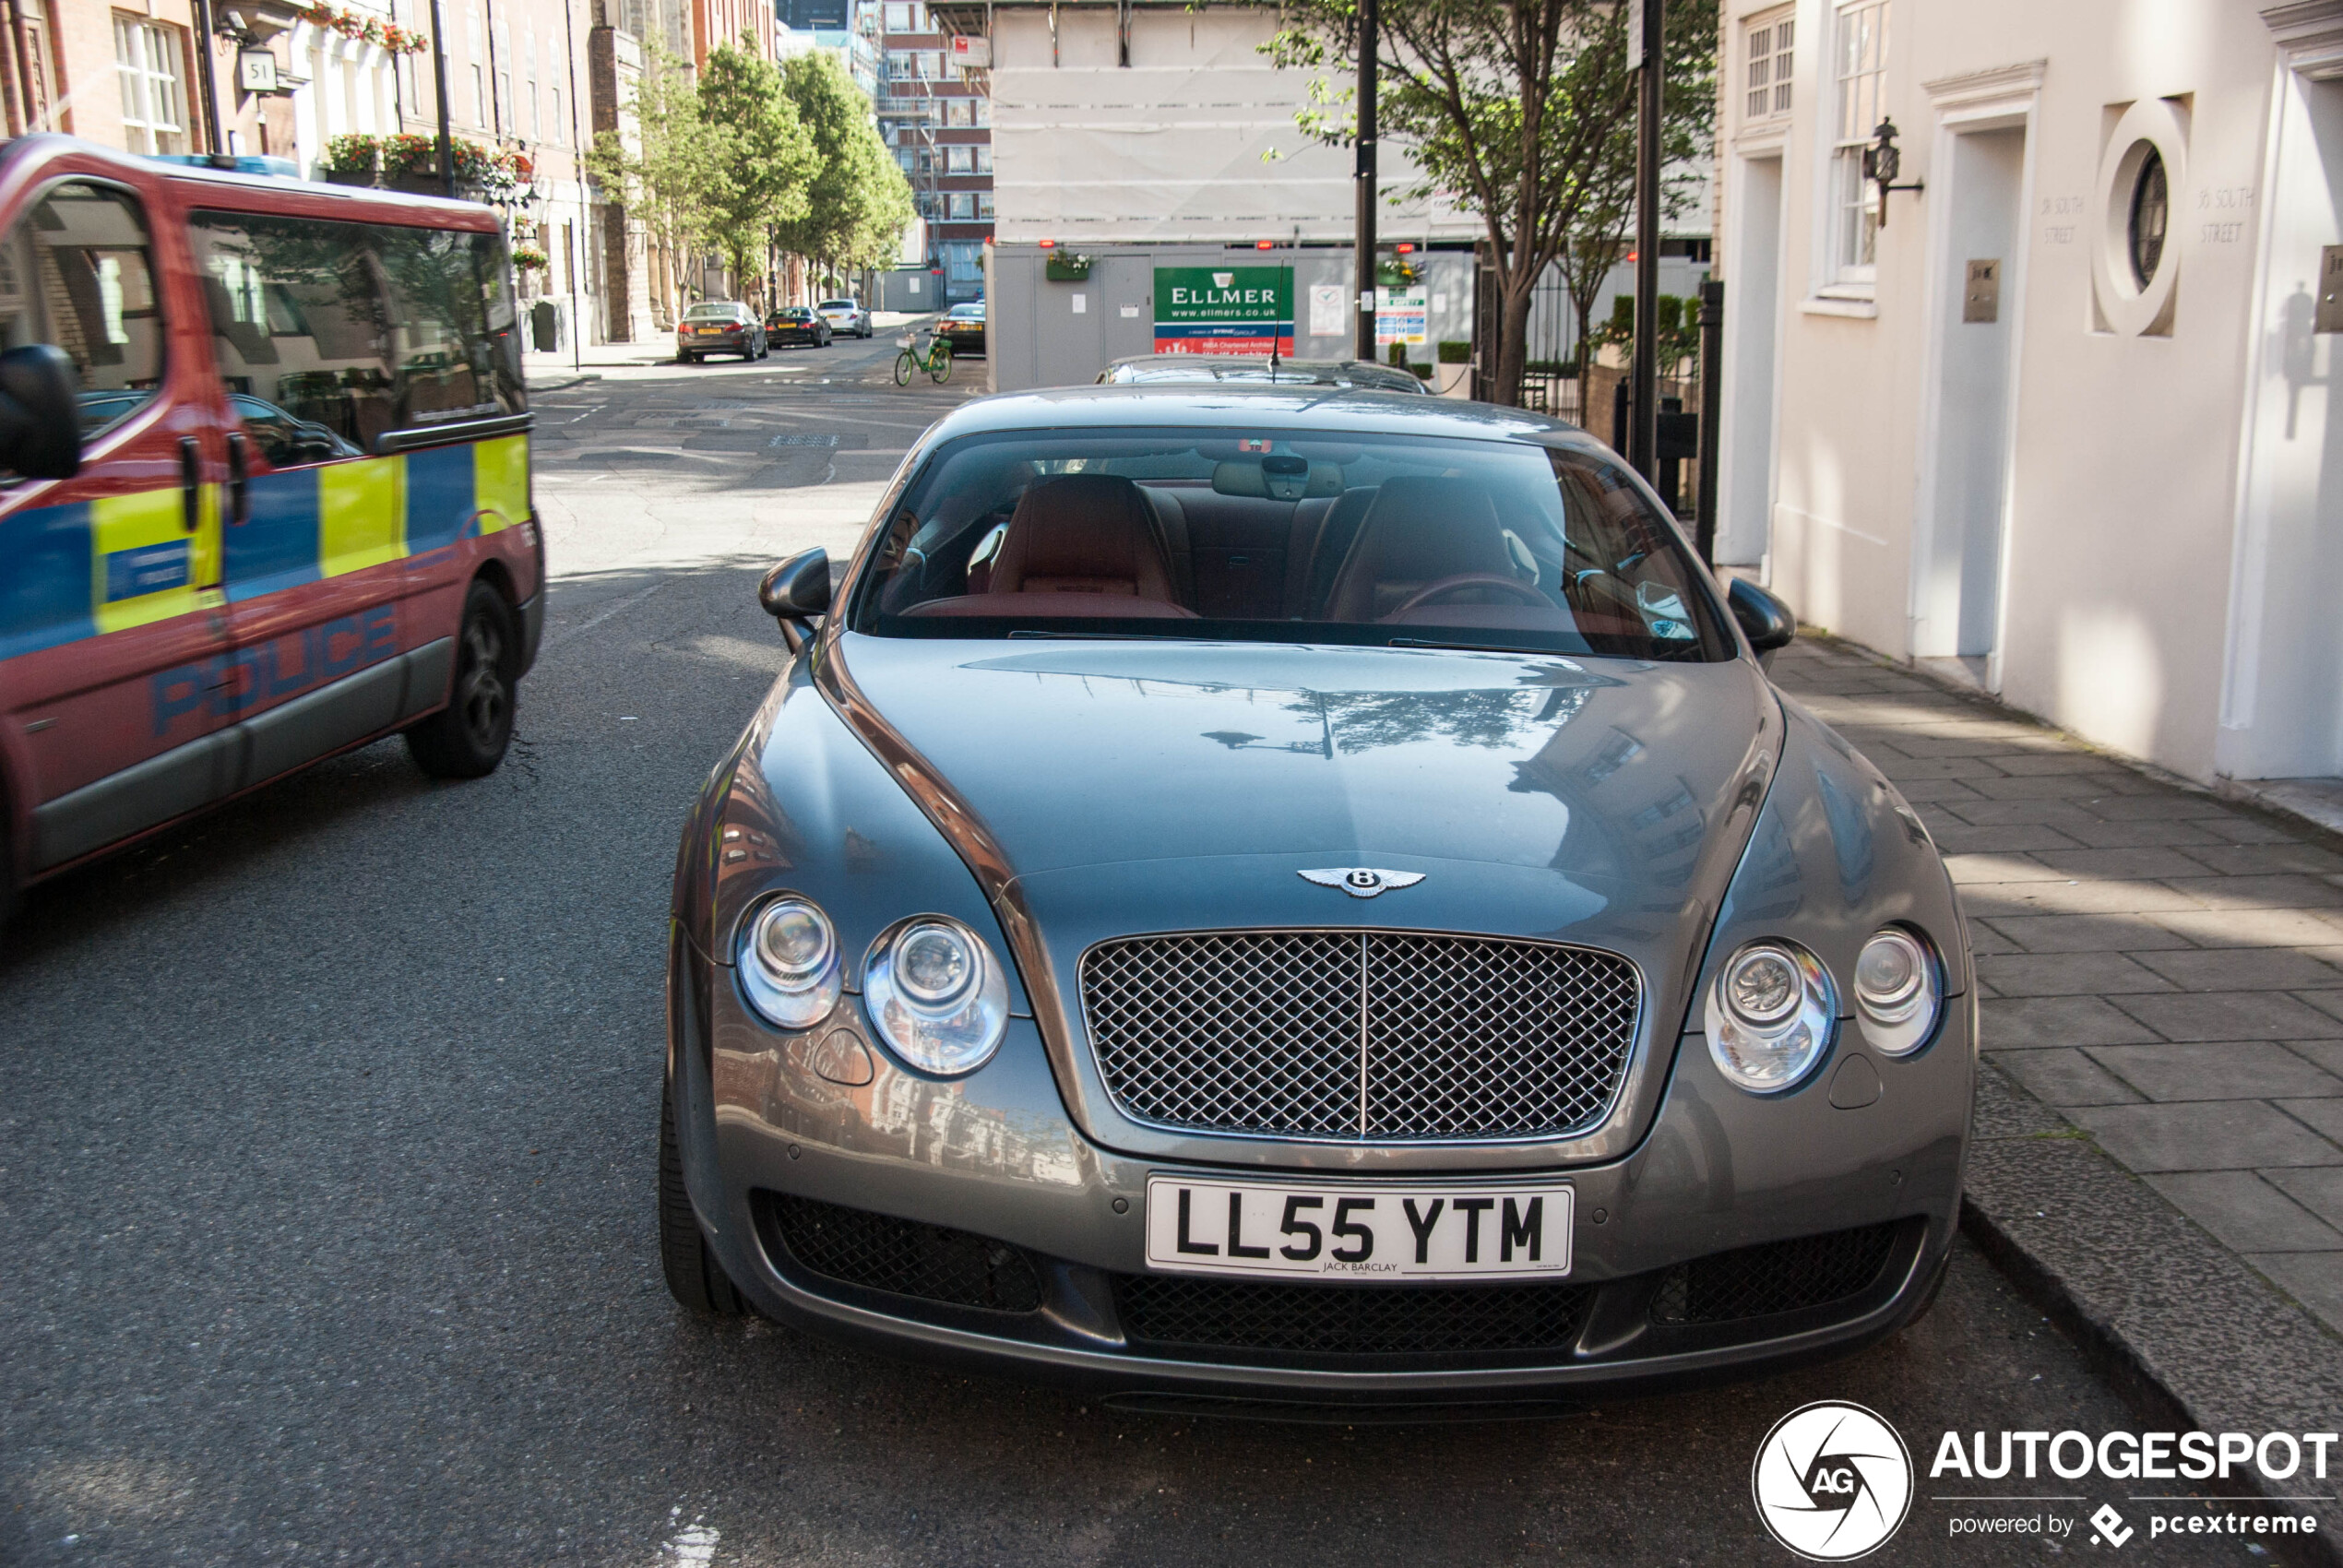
1513 350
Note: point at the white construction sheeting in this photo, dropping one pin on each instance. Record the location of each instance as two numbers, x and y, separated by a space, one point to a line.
1195 139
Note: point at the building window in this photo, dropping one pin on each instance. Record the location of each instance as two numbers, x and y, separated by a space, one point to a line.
1861 72
903 156
898 17
958 114
963 206
1769 61
984 206
959 159
480 96
984 159
930 65
2151 207
985 112
558 122
149 60
898 64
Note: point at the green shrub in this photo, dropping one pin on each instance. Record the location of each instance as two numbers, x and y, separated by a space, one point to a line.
1421 371
1453 352
352 153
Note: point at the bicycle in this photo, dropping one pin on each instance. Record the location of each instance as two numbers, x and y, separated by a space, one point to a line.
937 361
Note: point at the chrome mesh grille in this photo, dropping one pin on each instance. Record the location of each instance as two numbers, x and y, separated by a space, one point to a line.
1370 1034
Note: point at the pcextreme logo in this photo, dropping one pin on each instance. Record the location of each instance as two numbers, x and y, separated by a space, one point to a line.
1832 1481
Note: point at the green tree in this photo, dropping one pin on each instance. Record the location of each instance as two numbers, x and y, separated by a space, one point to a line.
663 180
858 202
763 158
1521 111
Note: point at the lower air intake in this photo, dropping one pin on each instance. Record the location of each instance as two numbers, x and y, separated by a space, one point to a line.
1780 1276
1169 1311
903 1257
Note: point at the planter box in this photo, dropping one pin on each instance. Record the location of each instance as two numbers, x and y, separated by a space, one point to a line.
350 177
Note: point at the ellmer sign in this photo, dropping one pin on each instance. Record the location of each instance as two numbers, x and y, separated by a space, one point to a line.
1232 310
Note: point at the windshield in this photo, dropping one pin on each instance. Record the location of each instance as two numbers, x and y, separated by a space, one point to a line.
793 312
712 312
837 304
1229 534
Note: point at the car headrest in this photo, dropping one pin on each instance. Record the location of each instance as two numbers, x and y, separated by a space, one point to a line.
1421 527
1082 533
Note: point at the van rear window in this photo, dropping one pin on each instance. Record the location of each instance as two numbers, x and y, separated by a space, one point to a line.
354 329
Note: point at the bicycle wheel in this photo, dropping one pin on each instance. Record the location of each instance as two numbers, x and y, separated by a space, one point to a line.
904 364
940 367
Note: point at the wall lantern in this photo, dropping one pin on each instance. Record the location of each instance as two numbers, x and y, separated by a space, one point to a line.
1882 163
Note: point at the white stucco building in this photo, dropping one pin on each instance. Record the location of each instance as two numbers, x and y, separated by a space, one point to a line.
2063 419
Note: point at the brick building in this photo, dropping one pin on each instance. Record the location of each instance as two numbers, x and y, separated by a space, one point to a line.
937 119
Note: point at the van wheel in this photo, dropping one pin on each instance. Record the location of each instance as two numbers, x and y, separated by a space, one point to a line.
467 739
694 1277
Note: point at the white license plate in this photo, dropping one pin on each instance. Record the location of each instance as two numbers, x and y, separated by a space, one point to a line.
1324 1230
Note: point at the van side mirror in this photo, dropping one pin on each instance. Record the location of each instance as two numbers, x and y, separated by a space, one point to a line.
795 592
1764 620
40 413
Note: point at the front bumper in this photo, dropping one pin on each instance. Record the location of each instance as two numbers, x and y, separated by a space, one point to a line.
995 1157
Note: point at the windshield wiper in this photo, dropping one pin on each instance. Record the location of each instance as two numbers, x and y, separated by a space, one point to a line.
1477 647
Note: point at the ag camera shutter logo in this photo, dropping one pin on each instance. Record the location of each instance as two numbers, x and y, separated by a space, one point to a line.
1832 1482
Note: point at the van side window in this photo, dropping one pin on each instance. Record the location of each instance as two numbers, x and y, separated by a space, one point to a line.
78 272
329 334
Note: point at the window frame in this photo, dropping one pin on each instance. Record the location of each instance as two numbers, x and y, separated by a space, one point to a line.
1778 58
139 80
1850 207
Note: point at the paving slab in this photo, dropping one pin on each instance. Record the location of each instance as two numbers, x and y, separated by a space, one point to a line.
2226 1070
2246 1212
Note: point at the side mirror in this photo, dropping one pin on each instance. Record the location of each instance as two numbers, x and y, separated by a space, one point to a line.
40 413
795 592
1764 620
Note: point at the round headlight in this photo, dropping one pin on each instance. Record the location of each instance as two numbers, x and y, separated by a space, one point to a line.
1898 991
789 962
1770 1015
936 995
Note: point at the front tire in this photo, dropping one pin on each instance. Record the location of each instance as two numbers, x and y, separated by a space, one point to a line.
694 1277
467 739
904 366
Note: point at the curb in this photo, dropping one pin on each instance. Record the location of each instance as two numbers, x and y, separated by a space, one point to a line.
563 383
2189 1335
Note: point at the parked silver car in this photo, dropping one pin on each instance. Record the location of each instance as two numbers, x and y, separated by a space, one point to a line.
1299 895
847 317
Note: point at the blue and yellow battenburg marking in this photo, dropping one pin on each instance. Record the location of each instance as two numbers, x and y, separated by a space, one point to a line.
90 567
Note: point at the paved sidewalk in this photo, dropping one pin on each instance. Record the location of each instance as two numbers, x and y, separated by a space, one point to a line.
2161 965
2161 976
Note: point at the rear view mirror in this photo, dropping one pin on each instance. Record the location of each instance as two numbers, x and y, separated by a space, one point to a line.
795 591
1764 620
40 413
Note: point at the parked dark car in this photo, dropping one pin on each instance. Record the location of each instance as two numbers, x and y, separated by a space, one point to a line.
963 328
1284 893
718 327
796 324
847 317
1172 369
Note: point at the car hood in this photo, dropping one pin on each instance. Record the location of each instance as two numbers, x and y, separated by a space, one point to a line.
1089 754
1099 789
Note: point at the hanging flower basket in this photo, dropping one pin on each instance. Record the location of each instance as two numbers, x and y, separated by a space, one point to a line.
366 28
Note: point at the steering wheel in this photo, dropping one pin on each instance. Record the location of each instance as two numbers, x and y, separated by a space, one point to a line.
1526 592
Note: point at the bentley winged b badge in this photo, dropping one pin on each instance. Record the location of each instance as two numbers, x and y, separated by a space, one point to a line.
1361 882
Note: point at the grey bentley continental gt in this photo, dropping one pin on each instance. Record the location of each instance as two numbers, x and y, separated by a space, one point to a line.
1292 894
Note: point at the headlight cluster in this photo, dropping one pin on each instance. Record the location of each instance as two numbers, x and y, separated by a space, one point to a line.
935 993
1773 1010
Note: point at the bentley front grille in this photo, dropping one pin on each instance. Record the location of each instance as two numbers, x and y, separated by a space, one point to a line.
1360 1035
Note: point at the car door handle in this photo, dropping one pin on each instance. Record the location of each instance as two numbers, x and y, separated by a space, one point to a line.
190 482
239 478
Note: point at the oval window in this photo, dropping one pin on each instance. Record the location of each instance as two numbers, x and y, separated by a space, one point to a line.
2151 209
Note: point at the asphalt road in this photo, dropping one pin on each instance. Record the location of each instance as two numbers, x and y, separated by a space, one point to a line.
327 1143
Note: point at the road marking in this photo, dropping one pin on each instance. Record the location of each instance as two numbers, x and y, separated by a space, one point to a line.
692 1546
601 615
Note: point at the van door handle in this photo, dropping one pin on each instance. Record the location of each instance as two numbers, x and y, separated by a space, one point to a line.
239 478
190 482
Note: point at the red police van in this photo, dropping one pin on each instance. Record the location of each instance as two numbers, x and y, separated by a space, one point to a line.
264 490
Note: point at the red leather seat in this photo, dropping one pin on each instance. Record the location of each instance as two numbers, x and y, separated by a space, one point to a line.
1077 544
